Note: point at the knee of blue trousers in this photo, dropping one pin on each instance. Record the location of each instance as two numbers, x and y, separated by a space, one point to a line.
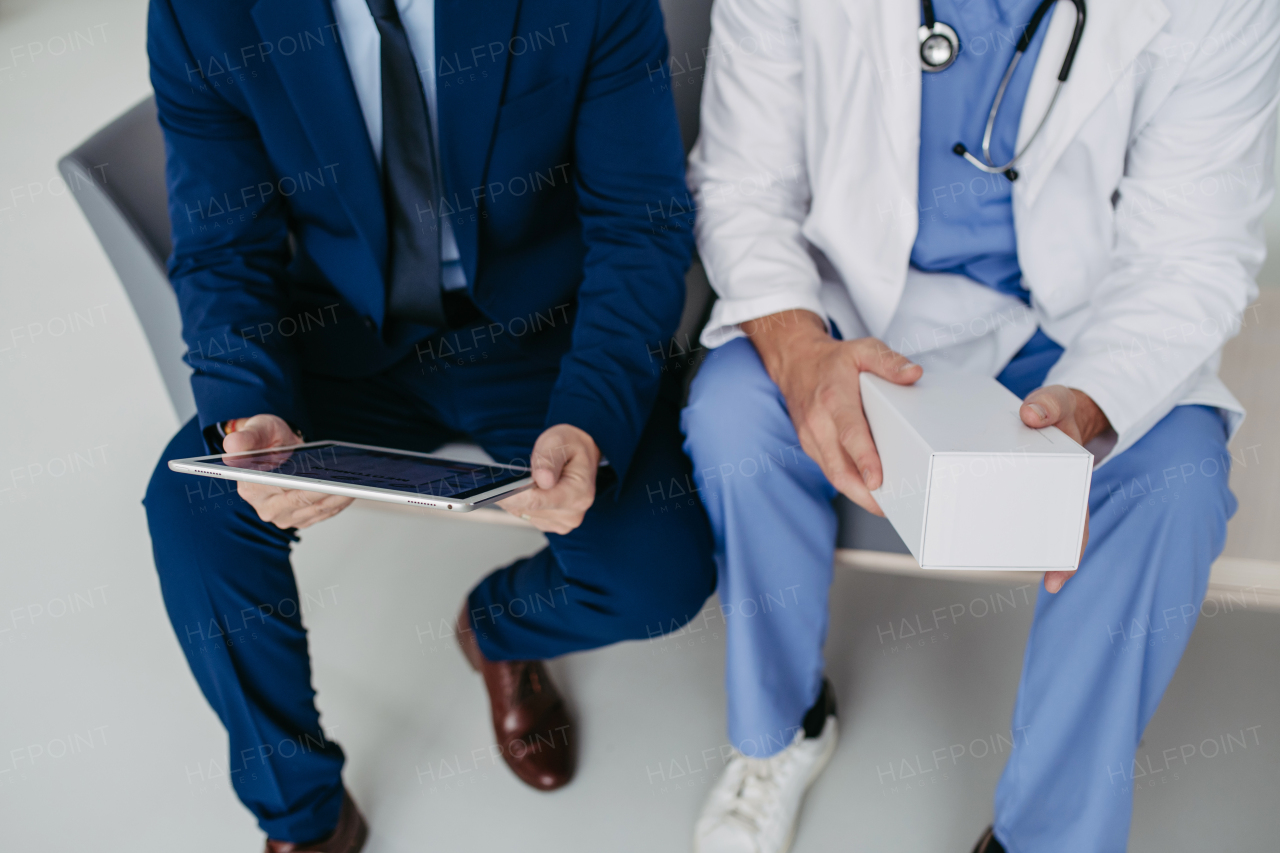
187 515
174 502
626 574
1169 491
664 572
655 610
736 424
181 509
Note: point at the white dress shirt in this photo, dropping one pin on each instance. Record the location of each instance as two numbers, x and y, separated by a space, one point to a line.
361 45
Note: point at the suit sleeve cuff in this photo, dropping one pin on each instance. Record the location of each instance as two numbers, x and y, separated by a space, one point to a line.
216 432
219 402
617 440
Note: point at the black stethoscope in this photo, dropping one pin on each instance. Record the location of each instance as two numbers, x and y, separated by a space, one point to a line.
939 47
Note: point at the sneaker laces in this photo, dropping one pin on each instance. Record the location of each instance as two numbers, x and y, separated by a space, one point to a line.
759 790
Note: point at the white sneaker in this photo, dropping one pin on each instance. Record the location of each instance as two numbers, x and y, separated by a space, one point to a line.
753 807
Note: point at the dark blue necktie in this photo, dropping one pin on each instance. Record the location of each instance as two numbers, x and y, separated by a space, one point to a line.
409 182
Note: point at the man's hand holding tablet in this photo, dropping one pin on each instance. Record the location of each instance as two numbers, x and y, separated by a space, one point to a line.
565 460
284 508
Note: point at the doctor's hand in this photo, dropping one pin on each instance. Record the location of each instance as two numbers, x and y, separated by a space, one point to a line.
565 462
818 377
1075 413
285 508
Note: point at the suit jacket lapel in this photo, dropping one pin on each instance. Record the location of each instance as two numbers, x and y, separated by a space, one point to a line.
1115 32
469 85
319 87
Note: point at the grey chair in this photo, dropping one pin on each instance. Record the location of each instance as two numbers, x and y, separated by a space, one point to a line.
117 176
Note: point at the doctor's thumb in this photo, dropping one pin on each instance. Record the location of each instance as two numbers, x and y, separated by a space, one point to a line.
1041 408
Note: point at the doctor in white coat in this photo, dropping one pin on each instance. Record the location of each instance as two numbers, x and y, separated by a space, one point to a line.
1097 276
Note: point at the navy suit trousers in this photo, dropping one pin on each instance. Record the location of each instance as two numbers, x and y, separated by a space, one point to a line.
640 563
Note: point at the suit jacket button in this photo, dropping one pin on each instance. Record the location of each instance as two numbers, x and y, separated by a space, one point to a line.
369 324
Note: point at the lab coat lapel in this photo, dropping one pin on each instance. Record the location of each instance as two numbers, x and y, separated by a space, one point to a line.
876 157
887 34
469 83
1115 32
318 84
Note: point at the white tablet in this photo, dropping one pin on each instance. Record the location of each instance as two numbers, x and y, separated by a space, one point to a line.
363 471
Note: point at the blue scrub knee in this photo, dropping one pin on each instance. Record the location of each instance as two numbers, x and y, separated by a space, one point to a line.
775 528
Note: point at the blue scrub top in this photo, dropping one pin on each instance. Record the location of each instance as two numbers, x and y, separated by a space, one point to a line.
966 215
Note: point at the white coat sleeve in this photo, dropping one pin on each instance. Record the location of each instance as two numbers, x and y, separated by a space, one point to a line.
747 170
1199 175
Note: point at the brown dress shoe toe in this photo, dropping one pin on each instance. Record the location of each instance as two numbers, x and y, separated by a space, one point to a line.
347 837
535 734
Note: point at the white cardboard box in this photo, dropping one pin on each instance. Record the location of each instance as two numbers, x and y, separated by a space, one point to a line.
967 485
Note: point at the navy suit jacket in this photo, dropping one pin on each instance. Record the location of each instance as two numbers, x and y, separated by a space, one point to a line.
561 160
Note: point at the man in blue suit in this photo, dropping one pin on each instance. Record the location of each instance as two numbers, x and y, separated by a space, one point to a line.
398 223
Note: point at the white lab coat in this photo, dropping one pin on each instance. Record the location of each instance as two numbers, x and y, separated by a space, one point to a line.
1138 211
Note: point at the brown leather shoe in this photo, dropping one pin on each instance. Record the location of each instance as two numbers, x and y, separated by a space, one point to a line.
347 837
536 736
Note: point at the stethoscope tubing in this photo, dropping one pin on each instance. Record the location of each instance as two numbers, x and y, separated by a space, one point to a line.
1019 49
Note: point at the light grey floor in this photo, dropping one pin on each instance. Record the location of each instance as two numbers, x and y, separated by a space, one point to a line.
107 745
146 763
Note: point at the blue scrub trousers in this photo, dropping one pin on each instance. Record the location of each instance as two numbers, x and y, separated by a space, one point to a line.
626 573
1100 652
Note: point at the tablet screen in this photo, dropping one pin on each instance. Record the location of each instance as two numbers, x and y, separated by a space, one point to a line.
357 466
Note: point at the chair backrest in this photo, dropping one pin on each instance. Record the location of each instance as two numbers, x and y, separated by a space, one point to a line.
117 176
688 31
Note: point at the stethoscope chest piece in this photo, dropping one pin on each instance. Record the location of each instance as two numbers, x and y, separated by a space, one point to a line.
939 46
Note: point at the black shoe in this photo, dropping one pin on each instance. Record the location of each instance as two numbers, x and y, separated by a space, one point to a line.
988 843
